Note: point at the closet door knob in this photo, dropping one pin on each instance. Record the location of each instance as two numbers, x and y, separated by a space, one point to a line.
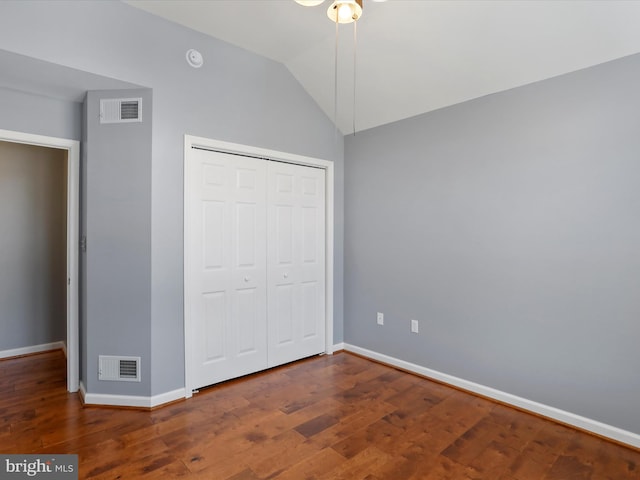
246 279
286 275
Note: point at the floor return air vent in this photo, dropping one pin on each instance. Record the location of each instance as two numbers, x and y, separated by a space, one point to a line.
119 369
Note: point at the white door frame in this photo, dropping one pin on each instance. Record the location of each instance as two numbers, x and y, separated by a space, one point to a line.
191 141
73 214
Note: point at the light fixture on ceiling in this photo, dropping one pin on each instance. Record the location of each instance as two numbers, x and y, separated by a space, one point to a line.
342 11
345 11
309 3
339 12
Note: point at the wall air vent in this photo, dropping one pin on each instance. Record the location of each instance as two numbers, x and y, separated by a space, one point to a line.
120 110
119 369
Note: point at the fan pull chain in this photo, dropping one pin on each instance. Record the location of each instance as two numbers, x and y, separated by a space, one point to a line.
335 84
355 48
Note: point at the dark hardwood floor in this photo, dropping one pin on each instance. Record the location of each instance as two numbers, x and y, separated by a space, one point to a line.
331 417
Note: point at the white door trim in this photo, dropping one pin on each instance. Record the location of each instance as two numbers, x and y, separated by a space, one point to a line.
73 215
191 141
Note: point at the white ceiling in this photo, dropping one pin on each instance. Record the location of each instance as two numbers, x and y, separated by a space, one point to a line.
414 56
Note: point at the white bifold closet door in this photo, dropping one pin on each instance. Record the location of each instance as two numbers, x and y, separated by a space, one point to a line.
255 264
228 266
296 259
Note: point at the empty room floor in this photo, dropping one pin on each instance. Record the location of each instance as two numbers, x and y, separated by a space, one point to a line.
328 417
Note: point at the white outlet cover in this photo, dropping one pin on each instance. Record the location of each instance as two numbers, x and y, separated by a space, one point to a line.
414 326
380 318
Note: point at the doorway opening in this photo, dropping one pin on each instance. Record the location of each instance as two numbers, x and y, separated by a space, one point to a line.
71 217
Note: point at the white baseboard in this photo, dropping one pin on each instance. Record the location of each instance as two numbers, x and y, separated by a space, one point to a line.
338 346
16 352
103 399
168 397
565 417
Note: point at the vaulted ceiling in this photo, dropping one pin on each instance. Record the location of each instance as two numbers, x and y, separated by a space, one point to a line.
414 56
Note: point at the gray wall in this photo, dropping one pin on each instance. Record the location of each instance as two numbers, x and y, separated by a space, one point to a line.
33 245
117 225
508 226
38 114
236 96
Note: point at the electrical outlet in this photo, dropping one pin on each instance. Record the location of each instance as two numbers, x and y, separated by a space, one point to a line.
380 318
414 326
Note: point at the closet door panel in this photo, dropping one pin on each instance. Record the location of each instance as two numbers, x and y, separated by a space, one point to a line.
255 264
227 265
295 262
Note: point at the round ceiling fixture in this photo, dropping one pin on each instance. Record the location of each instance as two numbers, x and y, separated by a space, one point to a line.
345 11
194 58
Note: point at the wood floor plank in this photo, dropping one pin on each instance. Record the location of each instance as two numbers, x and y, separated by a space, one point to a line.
569 468
294 450
328 417
353 418
360 466
495 460
314 466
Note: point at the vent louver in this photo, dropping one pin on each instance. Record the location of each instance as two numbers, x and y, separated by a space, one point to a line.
122 369
128 369
120 110
129 110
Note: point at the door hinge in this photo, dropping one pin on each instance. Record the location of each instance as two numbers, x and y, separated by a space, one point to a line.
83 243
